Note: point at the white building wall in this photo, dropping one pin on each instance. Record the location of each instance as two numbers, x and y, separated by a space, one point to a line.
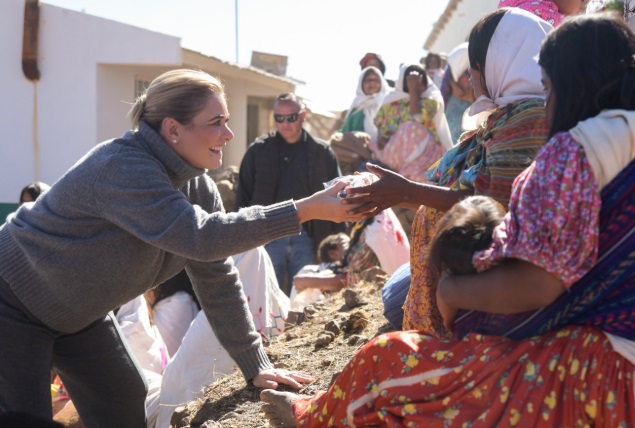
53 122
89 66
462 19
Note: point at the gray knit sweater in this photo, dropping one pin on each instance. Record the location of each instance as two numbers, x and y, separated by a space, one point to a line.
128 216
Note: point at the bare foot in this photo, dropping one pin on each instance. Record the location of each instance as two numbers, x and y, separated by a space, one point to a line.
277 407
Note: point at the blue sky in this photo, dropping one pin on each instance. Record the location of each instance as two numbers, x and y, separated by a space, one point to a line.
324 39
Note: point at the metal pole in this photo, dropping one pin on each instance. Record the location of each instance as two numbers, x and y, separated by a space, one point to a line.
236 16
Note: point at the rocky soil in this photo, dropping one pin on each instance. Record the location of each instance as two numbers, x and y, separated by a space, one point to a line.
320 340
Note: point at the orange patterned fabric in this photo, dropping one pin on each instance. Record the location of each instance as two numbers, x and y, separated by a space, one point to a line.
420 308
566 378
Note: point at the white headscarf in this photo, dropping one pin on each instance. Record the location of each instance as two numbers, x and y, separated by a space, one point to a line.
511 70
369 104
459 61
397 93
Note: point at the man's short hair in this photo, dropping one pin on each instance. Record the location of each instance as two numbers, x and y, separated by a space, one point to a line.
287 96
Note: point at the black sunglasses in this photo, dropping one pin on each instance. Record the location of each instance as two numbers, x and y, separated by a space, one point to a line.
280 118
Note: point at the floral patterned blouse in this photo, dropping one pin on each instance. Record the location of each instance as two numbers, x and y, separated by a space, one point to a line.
545 9
553 219
390 116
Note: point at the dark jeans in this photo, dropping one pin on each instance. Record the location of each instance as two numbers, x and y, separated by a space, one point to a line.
394 295
104 382
289 255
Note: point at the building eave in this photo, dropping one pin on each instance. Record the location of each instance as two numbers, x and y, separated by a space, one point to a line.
441 23
197 59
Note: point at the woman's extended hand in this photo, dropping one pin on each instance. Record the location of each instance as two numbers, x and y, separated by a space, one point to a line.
416 84
326 205
388 191
271 378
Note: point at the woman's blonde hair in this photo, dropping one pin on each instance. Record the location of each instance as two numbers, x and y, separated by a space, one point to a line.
180 94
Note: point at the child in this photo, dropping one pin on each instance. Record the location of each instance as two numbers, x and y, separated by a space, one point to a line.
552 11
466 228
463 230
331 251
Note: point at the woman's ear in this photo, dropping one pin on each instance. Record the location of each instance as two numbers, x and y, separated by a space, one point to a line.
170 130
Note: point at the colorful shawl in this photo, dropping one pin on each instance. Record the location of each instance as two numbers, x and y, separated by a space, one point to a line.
489 159
604 298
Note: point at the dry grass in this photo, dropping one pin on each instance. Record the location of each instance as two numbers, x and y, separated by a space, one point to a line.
230 402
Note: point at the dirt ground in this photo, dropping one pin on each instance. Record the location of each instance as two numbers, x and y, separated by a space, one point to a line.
322 343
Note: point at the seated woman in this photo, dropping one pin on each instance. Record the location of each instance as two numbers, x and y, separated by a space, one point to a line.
571 205
412 130
133 212
371 90
509 127
350 143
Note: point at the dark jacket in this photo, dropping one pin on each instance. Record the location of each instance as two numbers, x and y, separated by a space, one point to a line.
258 178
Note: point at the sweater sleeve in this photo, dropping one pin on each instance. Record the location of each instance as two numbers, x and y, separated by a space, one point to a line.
220 292
146 205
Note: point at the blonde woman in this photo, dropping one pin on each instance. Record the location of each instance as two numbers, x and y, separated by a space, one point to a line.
130 214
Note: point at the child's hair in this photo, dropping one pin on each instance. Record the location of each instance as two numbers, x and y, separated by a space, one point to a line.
330 243
590 60
34 190
466 228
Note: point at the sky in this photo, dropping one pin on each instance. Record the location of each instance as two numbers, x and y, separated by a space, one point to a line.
323 40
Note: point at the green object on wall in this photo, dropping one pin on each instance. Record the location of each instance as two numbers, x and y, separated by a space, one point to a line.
5 210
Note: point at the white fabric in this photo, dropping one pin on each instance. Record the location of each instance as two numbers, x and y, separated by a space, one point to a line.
436 75
609 142
440 121
369 104
624 347
201 359
310 295
152 399
386 237
173 316
304 298
143 338
459 61
511 70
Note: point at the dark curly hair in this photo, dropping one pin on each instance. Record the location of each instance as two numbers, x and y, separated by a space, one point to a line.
466 228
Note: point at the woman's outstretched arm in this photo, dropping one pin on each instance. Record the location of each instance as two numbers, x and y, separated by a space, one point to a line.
395 190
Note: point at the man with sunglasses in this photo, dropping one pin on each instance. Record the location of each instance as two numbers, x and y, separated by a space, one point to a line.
288 164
